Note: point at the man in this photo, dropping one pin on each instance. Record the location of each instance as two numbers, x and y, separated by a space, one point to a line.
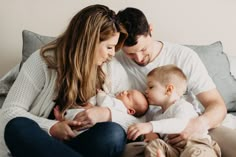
141 54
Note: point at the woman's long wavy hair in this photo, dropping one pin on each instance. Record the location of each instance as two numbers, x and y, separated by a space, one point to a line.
73 54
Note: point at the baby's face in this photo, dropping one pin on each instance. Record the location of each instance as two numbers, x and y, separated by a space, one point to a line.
130 98
126 97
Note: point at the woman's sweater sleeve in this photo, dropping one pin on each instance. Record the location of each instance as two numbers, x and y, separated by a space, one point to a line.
25 90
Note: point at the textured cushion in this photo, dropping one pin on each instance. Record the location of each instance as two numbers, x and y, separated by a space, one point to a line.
218 67
6 83
32 42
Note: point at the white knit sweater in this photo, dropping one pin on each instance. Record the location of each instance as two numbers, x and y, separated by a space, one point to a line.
32 96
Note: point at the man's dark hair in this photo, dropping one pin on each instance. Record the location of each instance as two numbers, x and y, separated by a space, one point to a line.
135 23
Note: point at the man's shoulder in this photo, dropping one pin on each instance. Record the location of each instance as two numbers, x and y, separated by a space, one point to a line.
176 47
178 53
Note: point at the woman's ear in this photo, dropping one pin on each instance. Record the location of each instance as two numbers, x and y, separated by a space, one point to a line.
131 111
169 89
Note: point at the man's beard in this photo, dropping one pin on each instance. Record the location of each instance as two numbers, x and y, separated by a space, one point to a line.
146 61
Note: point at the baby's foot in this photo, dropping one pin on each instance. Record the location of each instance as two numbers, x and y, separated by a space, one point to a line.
160 153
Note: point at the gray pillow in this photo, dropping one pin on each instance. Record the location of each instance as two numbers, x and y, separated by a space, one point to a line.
6 82
32 42
218 68
2 99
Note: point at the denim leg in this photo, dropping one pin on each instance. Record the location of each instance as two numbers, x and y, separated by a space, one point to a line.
106 139
25 138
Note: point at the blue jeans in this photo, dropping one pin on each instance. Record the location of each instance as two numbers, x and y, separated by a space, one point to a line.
25 138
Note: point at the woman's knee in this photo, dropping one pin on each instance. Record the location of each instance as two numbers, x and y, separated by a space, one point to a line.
110 137
15 129
112 131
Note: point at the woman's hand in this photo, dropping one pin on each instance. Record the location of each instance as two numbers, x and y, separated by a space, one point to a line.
134 131
91 116
63 130
195 127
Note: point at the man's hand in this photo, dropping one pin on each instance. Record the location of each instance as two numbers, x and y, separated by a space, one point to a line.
196 126
134 131
63 130
91 116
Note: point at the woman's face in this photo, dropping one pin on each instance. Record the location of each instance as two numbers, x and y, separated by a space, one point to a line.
106 49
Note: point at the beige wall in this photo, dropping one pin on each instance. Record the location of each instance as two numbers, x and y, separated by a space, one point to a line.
180 21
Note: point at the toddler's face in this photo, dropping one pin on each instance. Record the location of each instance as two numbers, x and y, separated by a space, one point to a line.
155 92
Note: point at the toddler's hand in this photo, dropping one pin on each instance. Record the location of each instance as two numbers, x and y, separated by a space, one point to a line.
136 130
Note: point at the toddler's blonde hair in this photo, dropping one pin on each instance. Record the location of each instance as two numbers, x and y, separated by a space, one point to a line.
170 74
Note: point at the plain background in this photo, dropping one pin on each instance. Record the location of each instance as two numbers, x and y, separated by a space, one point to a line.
180 21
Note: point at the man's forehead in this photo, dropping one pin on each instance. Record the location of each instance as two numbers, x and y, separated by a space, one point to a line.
141 42
130 49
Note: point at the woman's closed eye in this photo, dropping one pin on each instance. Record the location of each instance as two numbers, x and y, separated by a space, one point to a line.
150 87
128 94
111 47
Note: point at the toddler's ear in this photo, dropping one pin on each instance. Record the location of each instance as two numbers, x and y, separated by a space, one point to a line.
131 111
169 89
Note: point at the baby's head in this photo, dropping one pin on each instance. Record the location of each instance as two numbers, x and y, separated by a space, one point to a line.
166 79
135 102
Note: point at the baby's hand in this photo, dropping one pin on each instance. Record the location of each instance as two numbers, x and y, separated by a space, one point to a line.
57 113
100 91
87 105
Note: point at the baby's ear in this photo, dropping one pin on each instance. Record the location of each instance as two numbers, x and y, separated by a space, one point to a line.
169 89
131 111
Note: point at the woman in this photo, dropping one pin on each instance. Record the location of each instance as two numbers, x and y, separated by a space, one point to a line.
66 72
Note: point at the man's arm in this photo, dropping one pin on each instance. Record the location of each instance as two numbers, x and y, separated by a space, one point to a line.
215 108
215 111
